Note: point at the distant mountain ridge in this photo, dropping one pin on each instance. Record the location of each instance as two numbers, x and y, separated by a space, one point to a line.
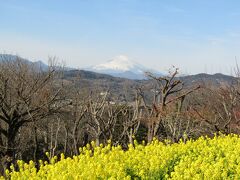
215 79
218 77
9 57
38 64
125 89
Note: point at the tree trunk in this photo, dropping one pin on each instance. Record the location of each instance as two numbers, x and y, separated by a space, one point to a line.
97 140
35 144
66 140
150 133
130 137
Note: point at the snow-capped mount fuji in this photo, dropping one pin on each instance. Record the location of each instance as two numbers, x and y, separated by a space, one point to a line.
121 66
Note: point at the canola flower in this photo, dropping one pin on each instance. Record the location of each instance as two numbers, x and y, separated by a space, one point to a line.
205 158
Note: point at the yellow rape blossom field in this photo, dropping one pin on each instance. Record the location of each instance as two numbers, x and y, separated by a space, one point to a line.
205 158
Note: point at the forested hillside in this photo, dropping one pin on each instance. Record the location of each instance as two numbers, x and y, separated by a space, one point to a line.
59 111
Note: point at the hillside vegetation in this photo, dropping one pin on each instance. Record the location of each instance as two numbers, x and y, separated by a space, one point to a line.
59 111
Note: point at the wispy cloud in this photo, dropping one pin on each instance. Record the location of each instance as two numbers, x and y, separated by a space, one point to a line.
234 34
216 41
234 14
14 7
173 9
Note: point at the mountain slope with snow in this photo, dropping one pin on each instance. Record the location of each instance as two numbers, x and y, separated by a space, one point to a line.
121 66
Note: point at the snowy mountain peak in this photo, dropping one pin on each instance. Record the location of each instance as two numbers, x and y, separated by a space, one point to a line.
120 64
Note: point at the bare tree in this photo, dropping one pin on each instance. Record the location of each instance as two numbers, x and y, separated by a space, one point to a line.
26 95
219 111
102 116
79 110
132 116
168 90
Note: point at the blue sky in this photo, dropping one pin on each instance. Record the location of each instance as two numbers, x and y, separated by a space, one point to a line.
194 35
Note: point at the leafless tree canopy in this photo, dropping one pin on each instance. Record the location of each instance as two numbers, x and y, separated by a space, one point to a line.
27 95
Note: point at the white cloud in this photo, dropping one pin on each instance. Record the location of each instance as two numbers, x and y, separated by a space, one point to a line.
234 14
216 41
173 9
234 34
